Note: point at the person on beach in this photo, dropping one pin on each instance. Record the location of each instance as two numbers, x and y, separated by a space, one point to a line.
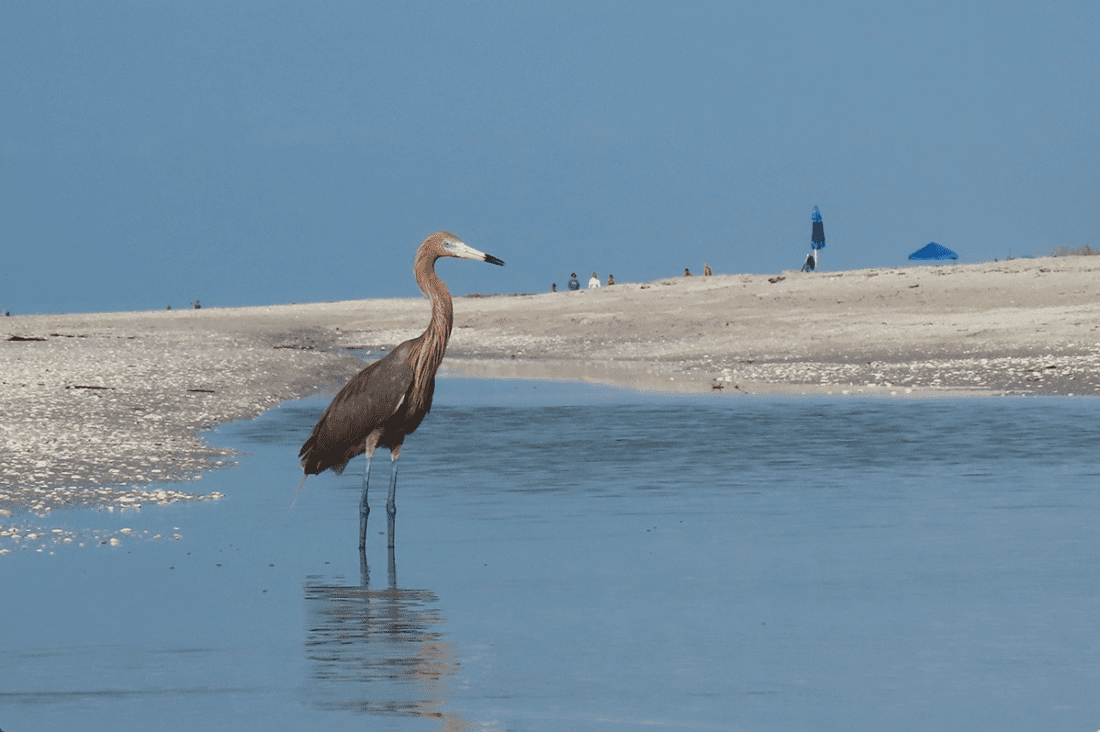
554 287
594 282
574 283
687 272
610 280
706 269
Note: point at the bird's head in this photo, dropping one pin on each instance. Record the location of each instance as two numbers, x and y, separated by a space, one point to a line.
446 244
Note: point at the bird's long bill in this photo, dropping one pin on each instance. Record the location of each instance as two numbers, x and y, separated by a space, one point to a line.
464 251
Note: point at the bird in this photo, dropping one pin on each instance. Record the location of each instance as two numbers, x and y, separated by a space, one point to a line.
387 400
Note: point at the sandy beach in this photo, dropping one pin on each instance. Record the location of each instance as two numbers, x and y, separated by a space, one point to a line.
97 407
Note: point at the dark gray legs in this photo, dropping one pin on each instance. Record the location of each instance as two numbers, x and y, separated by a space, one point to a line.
364 569
364 510
391 502
391 506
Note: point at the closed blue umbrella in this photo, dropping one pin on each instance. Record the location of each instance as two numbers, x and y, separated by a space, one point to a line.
817 238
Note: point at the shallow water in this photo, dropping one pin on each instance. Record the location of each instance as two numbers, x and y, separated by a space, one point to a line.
575 557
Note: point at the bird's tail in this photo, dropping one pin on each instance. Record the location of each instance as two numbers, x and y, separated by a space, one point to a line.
299 491
310 461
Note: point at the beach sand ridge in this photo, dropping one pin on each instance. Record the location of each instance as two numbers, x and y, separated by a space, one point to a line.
103 405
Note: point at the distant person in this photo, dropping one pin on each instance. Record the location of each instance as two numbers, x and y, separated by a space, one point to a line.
574 283
706 269
197 305
610 280
808 265
687 272
594 283
554 287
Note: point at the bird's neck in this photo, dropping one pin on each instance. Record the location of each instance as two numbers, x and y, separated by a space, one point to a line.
433 342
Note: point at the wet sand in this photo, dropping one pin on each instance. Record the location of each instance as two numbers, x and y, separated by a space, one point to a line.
98 407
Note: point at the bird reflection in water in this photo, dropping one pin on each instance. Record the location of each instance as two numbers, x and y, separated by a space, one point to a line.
379 651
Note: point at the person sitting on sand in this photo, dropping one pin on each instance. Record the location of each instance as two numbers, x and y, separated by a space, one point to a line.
687 272
574 283
610 280
594 282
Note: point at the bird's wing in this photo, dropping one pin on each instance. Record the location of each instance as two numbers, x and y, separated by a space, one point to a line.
372 397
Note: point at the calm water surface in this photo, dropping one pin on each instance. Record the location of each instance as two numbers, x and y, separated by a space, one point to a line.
576 557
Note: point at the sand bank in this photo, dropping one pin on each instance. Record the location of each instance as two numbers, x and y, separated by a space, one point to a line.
97 407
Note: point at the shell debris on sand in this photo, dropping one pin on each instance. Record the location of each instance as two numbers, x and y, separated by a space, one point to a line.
24 536
105 409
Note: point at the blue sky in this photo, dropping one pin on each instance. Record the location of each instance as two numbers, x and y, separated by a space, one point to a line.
248 153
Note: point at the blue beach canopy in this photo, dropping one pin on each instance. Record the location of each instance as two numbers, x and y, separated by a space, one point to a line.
933 251
817 237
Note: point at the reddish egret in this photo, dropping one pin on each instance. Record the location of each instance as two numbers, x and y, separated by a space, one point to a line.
388 399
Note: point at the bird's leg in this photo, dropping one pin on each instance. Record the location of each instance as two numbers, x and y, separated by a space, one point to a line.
392 570
364 509
391 501
364 568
